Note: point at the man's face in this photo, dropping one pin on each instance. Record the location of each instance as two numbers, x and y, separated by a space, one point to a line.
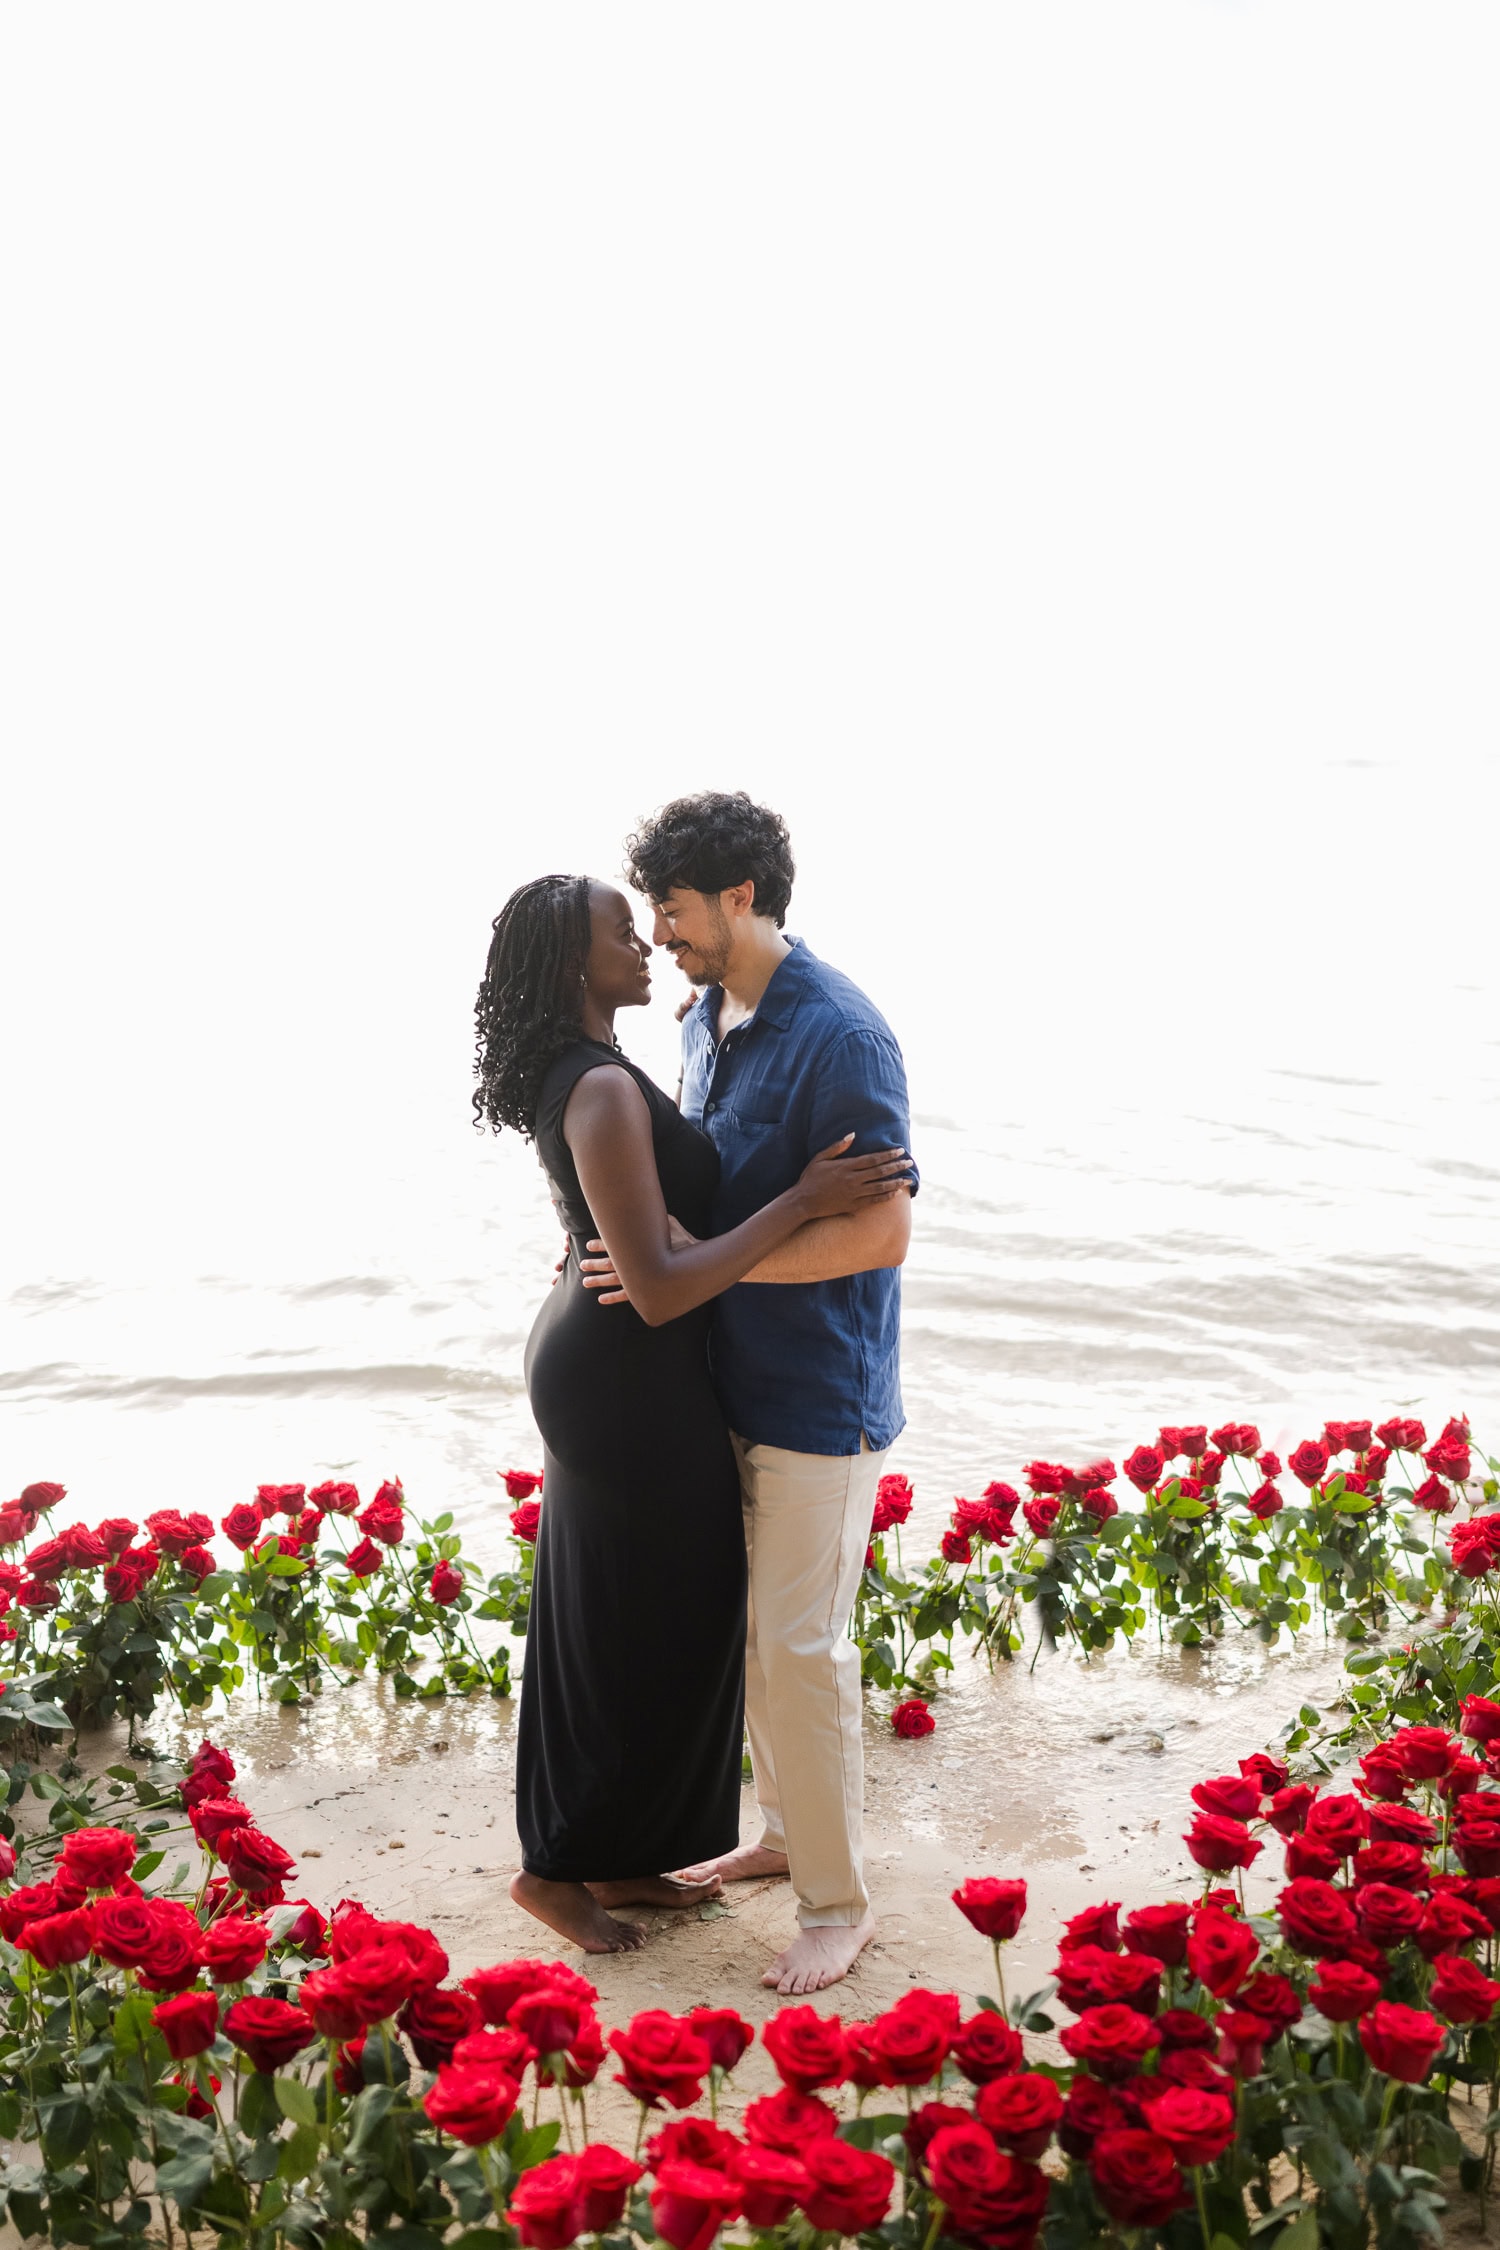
693 927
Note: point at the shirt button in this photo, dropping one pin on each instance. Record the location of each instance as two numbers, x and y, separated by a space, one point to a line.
709 1108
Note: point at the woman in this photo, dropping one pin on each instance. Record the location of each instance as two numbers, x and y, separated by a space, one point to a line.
631 1725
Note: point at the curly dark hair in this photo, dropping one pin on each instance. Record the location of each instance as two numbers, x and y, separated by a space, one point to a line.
529 1005
711 842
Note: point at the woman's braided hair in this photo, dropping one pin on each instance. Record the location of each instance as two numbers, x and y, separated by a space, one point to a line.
530 1003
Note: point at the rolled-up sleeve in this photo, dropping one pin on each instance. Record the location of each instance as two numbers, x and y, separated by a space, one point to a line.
861 1089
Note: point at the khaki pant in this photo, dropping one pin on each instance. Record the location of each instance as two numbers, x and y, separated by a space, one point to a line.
807 1525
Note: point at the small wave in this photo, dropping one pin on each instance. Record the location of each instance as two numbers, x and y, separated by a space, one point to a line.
75 1384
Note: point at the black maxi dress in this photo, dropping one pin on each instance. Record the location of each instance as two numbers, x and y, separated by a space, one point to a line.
632 1706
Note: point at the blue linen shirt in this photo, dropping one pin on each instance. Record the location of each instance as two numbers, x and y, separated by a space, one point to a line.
811 1366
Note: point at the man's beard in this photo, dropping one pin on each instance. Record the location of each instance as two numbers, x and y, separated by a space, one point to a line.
709 961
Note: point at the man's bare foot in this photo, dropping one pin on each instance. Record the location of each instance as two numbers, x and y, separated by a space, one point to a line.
655 1890
819 1957
738 1866
572 1910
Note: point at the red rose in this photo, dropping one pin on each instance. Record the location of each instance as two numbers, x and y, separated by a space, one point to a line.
1235 1796
38 1498
789 2121
986 2048
1219 1845
1340 1822
1341 1991
1113 2041
1089 1977
924 2123
544 2205
912 1719
1424 1753
583 2060
1357 1436
255 1862
173 1532
808 2050
1099 1504
332 2005
504 2050
234 1948
1335 1437
1400 2041
690 2203
771 2184
664 2059
498 1989
1090 2109
956 1548
1400 1865
1136 2177
521 1483
382 1977
84 1549
383 1520
196 1563
434 2020
1479 1719
280 1499
548 2017
1381 1774
1265 1501
1161 1931
1449 1459
851 2187
1197 2127
603 2179
1402 1437
1041 1515
1472 1546
100 1856
121 1930
1309 1462
1021 2112
241 1527
894 1496
724 2033
1181 2028
990 2197
1242 2041
1273 1998
1220 1951
1400 1824
1315 1919
445 1584
691 2140
1462 1992
334 1499
1237 1437
271 2032
175 1955
187 2022
363 1560
49 1559
1144 1467
1048 1477
909 2041
1477 1843
1447 1923
994 1904
475 2106
213 1817
525 1520
1191 1440
58 1940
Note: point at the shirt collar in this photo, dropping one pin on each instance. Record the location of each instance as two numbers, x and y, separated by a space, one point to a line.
781 998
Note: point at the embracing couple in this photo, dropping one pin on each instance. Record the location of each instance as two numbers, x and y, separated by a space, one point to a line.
715 1378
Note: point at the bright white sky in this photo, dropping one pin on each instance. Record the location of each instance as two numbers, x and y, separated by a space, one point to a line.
1049 449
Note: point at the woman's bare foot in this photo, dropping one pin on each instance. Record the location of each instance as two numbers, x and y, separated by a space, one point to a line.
656 1890
819 1957
572 1910
738 1866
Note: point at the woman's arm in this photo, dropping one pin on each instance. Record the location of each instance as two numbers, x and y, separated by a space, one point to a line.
607 1127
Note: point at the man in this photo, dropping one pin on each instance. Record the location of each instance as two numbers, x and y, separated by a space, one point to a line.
782 1056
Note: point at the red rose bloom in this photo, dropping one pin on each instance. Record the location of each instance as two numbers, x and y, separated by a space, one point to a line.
909 2041
384 1520
691 2140
1090 2109
38 1593
56 1941
1099 1504
1234 1796
1449 1922
690 2203
1161 1931
333 2006
771 2183
1479 1719
1265 1501
1462 1992
1315 1919
789 2121
174 1533
1046 1476
544 2205
241 1527
1425 1753
1339 1822
175 1955
990 2197
498 1989
1341 1991
1221 1951
234 1948
435 2019
1309 1462
724 2033
894 1495
986 2048
1237 1437
255 1862
521 1483
1136 2178
121 1930
851 2187
271 2032
1401 1865
603 2179
1449 1459
213 1817
1021 2112
808 2050
36 1499
334 1498
1400 2041
1402 1437
956 1548
548 2017
475 2106
912 1719
1041 1515
525 1520
445 1584
280 1499
98 1857
1272 1997
187 2022
1219 1845
994 1904
1113 2041
1400 1824
664 2059
1477 1844
1096 1925
1182 2028
363 1560
1242 2041
1144 1467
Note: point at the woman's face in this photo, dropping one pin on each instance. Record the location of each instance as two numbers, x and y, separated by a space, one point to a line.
618 967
